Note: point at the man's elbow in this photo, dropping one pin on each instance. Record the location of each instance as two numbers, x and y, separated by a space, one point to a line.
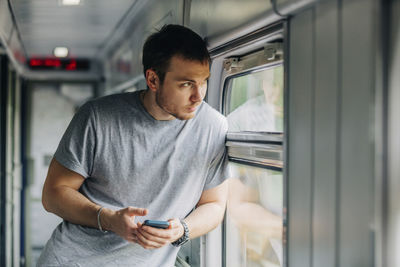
45 202
46 199
221 206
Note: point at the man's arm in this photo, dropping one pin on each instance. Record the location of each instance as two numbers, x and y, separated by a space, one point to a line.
209 211
61 197
208 214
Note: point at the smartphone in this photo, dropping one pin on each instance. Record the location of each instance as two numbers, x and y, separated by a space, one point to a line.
157 224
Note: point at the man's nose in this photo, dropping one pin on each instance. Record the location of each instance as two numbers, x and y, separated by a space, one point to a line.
197 94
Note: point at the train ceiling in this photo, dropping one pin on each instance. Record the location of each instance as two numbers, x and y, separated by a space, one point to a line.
95 30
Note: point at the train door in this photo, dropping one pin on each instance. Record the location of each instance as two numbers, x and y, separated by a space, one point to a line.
49 108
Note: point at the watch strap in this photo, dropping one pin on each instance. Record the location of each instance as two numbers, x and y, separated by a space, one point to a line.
184 238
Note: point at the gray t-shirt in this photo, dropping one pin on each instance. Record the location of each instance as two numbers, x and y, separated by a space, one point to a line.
130 159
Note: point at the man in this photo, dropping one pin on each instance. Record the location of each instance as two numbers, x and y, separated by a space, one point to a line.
153 154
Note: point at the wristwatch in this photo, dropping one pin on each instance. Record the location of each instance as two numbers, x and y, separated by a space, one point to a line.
184 238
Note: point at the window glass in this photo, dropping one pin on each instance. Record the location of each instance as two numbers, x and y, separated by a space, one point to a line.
256 101
254 221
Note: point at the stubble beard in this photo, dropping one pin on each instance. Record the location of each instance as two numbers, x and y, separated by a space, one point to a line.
160 100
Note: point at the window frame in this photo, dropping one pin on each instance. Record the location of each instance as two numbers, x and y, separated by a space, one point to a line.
257 141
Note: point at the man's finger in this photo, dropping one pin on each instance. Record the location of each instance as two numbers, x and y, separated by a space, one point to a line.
146 243
174 223
160 239
162 233
132 238
132 211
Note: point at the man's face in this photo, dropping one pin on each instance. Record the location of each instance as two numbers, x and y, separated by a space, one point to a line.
184 87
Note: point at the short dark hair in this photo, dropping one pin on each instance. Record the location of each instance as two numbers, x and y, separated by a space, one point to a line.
172 40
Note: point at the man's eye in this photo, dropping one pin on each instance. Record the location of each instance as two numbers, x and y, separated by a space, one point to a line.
186 84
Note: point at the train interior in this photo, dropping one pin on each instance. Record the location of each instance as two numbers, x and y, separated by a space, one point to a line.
311 91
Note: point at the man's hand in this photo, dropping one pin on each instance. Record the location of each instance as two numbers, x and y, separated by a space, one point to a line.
151 237
122 222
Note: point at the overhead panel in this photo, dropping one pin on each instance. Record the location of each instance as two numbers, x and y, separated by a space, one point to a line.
214 17
6 23
290 7
83 28
16 48
122 54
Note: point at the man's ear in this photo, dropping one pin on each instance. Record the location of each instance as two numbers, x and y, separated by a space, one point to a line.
152 80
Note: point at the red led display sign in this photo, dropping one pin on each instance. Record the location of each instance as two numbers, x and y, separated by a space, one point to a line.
58 64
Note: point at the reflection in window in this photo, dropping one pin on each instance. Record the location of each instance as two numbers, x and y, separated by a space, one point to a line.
254 217
256 101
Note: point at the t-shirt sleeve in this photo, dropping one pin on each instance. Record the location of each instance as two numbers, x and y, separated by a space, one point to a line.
76 149
218 170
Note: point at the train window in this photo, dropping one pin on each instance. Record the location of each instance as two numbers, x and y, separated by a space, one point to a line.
254 106
256 101
253 226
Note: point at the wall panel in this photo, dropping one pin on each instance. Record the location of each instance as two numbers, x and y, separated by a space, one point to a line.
331 155
393 237
325 141
300 139
356 136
